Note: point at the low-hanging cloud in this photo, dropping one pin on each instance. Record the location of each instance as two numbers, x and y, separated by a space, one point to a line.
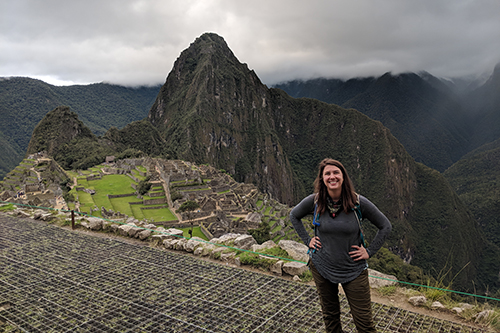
135 42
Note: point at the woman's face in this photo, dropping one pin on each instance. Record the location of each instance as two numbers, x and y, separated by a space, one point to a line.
333 178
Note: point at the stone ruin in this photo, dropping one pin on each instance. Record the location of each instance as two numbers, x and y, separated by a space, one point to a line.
226 206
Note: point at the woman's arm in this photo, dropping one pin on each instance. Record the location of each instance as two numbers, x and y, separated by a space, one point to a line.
304 208
377 218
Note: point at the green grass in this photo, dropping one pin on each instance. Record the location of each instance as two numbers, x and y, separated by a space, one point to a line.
82 181
113 184
156 188
196 233
7 208
136 174
137 212
86 201
71 173
163 214
276 228
119 184
121 205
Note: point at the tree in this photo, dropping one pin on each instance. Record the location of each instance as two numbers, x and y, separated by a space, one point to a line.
261 234
144 186
188 206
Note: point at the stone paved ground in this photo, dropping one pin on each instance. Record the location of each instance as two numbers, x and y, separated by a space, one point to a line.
56 280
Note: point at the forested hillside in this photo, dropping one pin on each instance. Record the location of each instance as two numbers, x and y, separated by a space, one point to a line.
437 121
24 102
476 180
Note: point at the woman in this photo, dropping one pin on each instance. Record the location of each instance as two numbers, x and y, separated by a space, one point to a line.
337 251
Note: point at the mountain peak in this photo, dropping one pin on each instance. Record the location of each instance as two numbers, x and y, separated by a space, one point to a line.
495 77
200 75
56 129
207 50
214 109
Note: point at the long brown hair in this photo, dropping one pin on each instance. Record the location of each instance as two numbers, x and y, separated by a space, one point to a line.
348 195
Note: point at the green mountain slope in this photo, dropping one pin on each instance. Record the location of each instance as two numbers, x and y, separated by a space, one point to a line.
476 179
11 155
24 102
485 103
62 135
139 136
210 110
421 111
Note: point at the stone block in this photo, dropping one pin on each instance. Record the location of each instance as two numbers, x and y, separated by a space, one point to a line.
244 242
378 279
266 245
95 224
192 243
144 234
295 268
277 268
124 229
417 300
297 251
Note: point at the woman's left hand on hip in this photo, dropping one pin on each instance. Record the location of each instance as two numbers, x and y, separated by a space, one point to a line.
358 253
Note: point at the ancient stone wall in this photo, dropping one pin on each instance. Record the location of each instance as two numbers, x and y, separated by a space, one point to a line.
154 201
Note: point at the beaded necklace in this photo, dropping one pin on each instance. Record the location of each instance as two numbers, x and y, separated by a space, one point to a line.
333 206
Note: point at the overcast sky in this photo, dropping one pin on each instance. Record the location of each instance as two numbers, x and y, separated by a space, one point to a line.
135 42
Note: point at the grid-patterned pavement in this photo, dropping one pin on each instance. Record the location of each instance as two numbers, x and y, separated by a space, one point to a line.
56 280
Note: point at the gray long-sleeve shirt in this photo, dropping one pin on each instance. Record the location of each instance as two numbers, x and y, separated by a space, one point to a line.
337 235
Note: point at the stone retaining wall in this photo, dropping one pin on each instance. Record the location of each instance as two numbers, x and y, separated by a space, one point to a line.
155 207
156 194
111 196
154 201
195 215
133 177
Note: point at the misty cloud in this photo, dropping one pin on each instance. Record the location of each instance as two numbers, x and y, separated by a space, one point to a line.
136 42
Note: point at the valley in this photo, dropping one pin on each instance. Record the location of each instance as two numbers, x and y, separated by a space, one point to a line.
214 112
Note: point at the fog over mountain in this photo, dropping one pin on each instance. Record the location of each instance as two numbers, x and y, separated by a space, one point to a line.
133 42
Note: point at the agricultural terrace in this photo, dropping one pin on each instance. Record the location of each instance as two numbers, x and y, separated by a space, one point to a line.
92 195
280 226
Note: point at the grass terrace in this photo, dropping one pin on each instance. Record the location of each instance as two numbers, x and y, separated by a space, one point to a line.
117 185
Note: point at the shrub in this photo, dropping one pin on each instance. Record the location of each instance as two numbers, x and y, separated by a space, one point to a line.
69 197
174 194
144 186
261 234
6 208
254 260
188 206
306 276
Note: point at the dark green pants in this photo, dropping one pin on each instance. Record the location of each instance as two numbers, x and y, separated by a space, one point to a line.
357 293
